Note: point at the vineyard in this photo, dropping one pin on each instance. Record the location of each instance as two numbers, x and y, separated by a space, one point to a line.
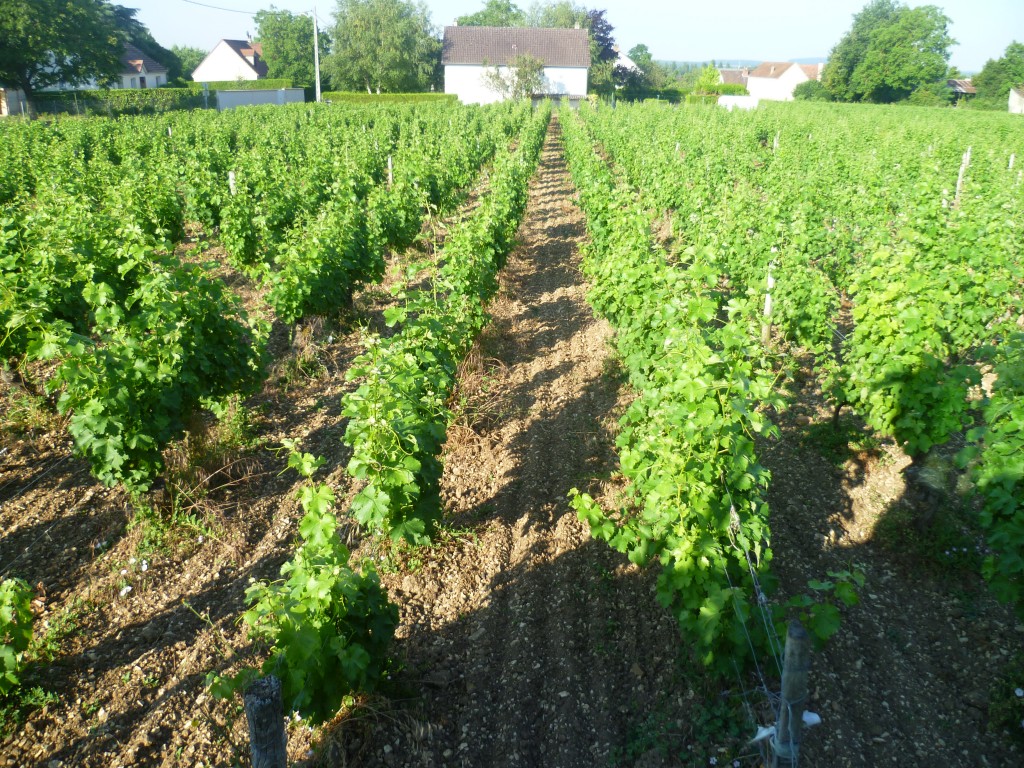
507 439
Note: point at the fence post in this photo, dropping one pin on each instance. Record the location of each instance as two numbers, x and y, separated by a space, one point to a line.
797 662
766 327
265 714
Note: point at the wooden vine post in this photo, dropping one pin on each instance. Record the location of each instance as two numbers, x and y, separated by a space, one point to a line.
265 715
786 741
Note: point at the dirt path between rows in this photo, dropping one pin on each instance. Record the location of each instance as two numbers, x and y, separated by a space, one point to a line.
527 643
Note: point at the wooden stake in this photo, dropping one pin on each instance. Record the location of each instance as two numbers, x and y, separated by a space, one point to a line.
775 144
231 181
1013 156
766 329
786 741
391 174
960 179
265 714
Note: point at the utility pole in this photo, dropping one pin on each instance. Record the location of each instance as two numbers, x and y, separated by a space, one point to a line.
316 54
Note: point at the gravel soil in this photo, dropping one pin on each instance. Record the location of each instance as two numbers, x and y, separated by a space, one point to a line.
522 641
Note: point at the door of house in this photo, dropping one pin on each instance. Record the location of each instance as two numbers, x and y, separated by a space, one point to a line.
142 81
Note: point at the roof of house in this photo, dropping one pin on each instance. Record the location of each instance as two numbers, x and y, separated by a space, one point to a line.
133 60
813 71
247 51
961 86
770 69
497 46
733 76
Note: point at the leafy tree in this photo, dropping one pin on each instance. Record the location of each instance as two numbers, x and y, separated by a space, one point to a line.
998 76
708 80
189 57
890 52
602 44
495 13
557 14
523 78
383 45
46 42
287 40
812 90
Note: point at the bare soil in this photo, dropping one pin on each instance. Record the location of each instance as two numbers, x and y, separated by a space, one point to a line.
522 641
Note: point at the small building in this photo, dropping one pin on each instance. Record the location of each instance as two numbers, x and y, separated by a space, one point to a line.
12 102
140 71
232 60
733 76
228 99
468 52
1017 101
961 89
776 80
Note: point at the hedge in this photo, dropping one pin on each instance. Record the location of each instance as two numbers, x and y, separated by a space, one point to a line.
385 98
117 101
244 85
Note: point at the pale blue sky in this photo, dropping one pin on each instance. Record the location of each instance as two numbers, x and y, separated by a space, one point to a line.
685 30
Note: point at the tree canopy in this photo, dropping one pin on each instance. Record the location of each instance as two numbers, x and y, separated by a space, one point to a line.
48 42
890 52
287 40
383 45
190 58
998 76
495 13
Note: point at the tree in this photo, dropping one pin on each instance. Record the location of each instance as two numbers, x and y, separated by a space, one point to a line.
383 45
708 81
287 40
812 90
998 76
557 14
523 78
495 13
47 42
890 52
189 57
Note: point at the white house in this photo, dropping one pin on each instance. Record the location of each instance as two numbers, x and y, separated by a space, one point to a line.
467 52
1017 101
140 71
776 80
232 60
137 71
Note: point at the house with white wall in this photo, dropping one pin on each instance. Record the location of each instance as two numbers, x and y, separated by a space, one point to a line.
776 80
232 60
467 53
1017 101
137 71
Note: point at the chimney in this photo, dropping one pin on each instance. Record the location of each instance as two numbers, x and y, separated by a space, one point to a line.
772 70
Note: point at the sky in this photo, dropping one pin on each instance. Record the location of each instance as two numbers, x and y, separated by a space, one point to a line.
681 30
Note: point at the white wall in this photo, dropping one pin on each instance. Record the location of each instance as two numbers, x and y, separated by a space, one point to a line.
777 88
466 81
232 99
738 102
222 63
1016 103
